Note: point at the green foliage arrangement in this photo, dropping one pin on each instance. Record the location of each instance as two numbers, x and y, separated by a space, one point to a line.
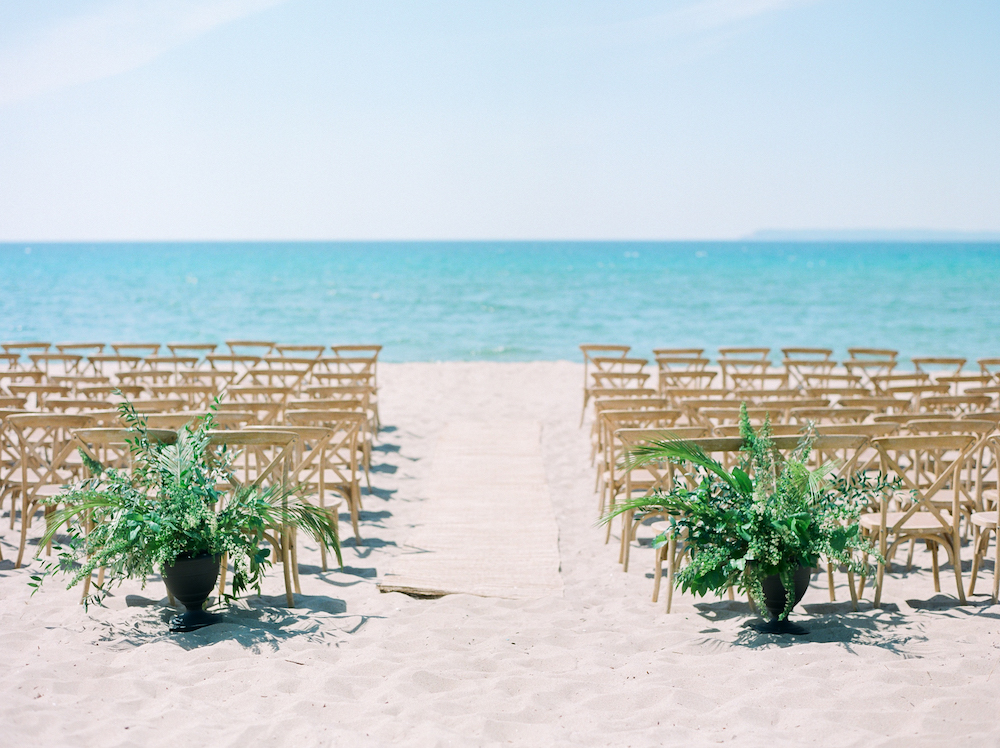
132 523
741 529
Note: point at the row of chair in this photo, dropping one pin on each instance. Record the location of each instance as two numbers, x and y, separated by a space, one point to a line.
934 446
317 436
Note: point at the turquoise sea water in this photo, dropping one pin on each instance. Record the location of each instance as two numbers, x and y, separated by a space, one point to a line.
510 301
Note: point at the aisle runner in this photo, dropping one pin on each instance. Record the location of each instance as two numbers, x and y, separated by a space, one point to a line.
487 526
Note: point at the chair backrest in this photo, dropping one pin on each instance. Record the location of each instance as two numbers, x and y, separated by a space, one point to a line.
954 403
950 364
45 442
830 415
591 350
264 455
250 347
136 349
926 465
199 349
84 349
111 447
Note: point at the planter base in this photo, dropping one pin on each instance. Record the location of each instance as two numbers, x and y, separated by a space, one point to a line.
775 626
193 620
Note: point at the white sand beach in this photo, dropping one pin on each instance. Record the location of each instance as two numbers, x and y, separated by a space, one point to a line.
596 663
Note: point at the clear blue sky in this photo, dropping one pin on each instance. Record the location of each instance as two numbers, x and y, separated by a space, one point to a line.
322 119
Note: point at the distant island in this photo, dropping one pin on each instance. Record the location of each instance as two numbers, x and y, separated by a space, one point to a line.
871 235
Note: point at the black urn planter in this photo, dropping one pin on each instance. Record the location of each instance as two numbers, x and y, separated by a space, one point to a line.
775 597
191 581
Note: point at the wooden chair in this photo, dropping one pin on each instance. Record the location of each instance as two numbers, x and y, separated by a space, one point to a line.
231 363
109 365
312 351
830 415
110 447
737 365
868 360
876 404
331 463
590 351
955 404
174 421
264 459
985 522
250 347
682 371
927 466
45 448
195 396
610 476
247 396
990 367
142 350
84 349
36 394
645 481
56 363
799 362
619 403
198 349
171 363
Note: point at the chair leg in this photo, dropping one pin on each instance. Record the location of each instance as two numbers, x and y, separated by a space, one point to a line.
24 532
829 580
355 503
996 563
854 592
956 545
909 555
977 557
933 547
878 584
223 567
657 572
671 564
286 564
293 553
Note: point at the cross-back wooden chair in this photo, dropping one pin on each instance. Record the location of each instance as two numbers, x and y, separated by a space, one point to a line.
110 447
112 364
217 380
75 405
56 363
224 419
990 367
959 384
590 351
938 364
195 396
955 404
610 475
927 465
278 371
799 362
678 395
231 363
84 349
142 350
985 521
10 457
145 378
619 403
47 461
200 350
25 348
830 415
250 396
36 394
645 481
870 362
300 351
745 361
876 404
172 363
337 467
681 368
667 476
250 347
264 459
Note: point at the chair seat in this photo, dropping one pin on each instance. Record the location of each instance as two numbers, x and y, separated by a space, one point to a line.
985 519
924 522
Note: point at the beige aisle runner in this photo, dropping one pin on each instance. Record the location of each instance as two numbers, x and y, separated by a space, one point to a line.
486 527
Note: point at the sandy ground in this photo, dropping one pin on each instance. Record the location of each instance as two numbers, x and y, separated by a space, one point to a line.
599 665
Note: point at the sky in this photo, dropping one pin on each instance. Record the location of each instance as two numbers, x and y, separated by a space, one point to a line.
125 120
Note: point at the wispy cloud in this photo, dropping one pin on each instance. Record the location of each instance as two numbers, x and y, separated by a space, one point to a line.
113 38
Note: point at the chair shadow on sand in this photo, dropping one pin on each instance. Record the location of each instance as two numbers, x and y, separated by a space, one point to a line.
256 623
888 628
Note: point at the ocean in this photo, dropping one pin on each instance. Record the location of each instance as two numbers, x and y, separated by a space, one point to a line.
510 301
